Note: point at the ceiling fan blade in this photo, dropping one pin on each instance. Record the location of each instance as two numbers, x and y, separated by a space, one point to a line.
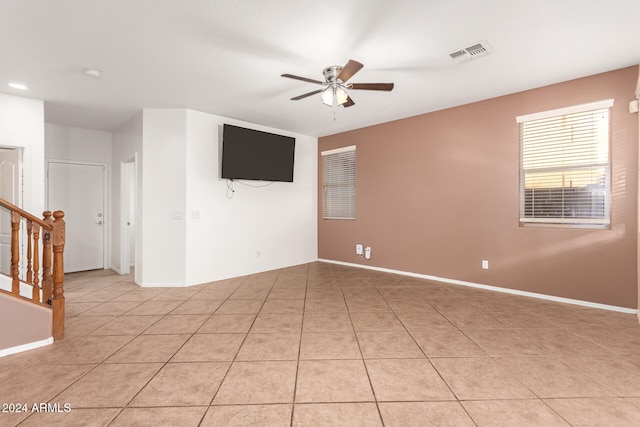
349 102
349 70
304 79
371 86
296 98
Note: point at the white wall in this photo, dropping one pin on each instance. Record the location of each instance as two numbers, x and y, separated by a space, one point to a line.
22 126
262 227
178 155
164 133
258 229
71 143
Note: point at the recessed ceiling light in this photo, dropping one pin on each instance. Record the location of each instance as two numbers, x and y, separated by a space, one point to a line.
19 86
91 72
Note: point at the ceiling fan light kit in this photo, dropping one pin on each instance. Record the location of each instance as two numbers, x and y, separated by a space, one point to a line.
341 96
327 96
334 95
336 88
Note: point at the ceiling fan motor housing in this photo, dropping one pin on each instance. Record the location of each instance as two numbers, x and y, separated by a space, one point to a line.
331 73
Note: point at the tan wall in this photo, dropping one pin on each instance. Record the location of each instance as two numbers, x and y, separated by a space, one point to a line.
438 193
23 322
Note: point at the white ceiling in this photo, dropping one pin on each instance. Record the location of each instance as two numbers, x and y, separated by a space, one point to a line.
225 57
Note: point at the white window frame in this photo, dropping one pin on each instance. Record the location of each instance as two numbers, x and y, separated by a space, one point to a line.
561 220
339 183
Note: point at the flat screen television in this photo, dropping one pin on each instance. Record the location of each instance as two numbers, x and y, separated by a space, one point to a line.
256 155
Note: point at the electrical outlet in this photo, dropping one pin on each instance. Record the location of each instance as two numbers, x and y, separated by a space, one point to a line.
359 249
485 264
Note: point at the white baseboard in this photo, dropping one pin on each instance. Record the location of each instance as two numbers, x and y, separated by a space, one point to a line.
490 288
162 285
119 271
25 347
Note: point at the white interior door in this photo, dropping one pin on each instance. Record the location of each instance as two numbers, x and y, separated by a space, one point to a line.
78 190
9 191
131 224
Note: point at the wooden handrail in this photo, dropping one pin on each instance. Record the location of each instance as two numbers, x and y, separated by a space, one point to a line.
50 291
25 214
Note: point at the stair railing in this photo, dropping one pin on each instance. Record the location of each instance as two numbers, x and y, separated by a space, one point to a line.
45 278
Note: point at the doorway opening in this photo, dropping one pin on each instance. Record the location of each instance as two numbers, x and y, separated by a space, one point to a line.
11 191
128 215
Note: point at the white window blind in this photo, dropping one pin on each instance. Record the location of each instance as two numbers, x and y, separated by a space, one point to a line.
339 183
565 166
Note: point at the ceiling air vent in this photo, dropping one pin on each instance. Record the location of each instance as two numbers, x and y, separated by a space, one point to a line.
478 50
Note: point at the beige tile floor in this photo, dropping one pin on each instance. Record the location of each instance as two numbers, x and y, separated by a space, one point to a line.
326 345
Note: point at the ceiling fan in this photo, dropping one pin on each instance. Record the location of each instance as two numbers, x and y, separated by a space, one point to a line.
335 84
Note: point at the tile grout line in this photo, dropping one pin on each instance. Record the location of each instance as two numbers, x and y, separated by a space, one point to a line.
168 359
427 357
499 360
81 376
295 381
366 369
246 335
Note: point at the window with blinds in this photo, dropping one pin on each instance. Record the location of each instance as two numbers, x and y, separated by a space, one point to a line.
565 166
339 183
